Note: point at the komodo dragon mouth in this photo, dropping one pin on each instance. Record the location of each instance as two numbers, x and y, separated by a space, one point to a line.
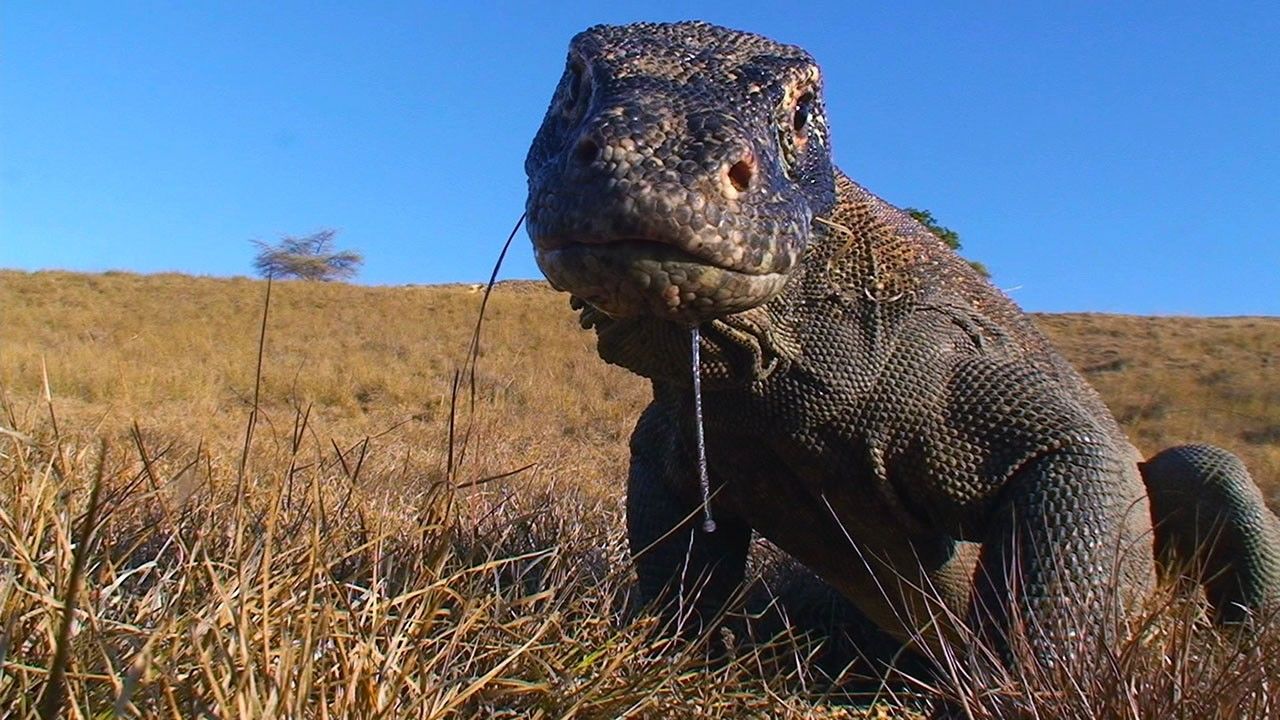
646 277
673 192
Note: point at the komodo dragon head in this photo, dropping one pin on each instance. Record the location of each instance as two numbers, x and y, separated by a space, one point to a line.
678 170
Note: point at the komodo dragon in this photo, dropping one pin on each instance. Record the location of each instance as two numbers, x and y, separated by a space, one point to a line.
872 405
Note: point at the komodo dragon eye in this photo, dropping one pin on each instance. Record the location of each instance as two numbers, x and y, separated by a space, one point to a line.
576 87
793 127
803 109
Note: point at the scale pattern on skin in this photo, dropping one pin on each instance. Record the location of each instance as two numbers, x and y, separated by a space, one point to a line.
872 405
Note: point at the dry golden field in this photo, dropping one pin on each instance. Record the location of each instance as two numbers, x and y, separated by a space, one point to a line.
350 531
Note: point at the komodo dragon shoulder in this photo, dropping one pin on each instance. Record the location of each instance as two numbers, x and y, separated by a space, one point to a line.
872 405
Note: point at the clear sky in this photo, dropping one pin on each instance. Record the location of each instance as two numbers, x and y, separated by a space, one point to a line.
1099 156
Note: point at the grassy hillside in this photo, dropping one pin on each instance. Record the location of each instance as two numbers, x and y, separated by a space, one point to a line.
322 535
177 353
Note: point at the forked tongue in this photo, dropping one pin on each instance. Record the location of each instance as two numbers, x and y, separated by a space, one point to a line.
708 524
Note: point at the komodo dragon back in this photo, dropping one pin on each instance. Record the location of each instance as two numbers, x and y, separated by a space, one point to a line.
872 405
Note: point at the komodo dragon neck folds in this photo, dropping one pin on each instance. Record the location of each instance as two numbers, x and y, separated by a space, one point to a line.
872 405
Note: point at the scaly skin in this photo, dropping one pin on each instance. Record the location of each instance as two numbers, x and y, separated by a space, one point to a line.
872 405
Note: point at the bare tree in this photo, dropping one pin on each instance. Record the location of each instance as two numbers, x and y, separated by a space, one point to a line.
311 257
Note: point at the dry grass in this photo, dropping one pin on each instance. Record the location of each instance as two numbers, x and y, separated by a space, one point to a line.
1177 380
346 558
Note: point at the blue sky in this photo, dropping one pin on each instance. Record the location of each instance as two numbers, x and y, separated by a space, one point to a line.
1119 157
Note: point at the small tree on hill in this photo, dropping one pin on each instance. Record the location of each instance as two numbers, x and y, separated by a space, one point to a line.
945 234
311 257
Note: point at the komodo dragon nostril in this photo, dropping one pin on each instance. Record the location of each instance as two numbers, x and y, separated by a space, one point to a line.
587 151
740 174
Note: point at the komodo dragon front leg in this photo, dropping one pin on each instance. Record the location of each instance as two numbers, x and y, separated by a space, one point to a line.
1054 555
693 574
985 447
